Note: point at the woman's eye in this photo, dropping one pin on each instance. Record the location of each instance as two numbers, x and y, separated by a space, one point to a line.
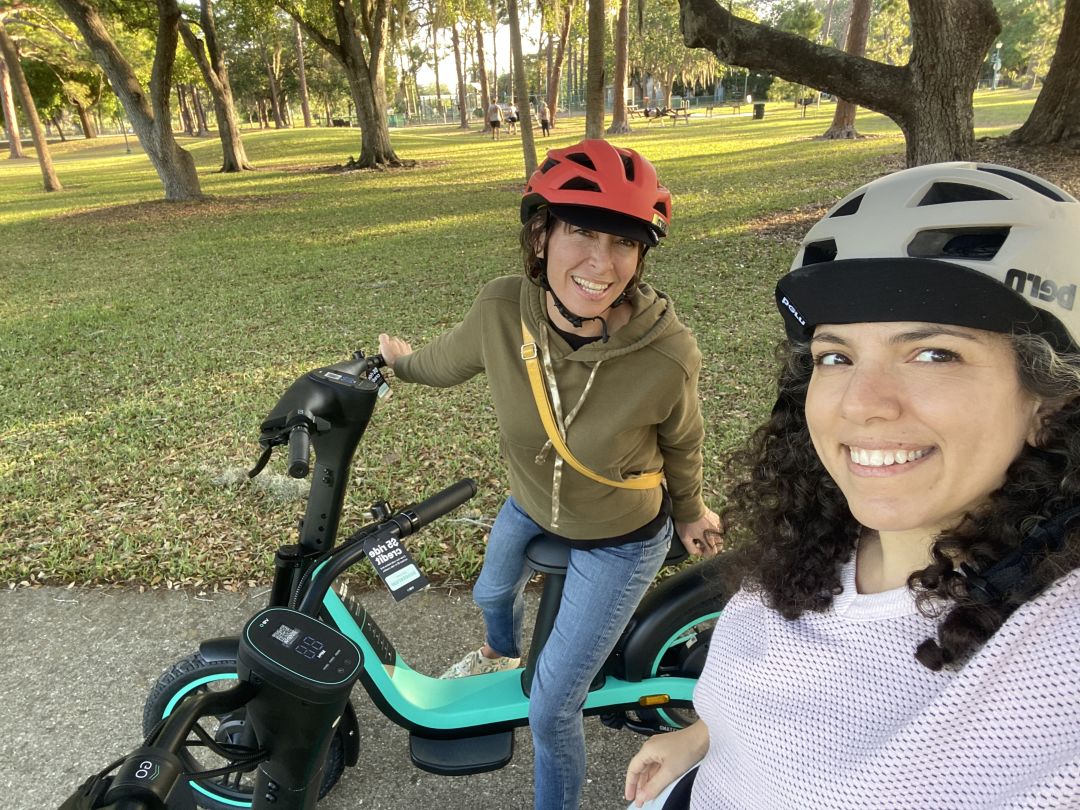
936 356
583 231
830 359
627 243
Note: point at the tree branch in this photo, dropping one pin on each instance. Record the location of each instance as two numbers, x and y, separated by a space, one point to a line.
736 41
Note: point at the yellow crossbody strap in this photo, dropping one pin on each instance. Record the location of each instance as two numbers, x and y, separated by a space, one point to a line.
529 354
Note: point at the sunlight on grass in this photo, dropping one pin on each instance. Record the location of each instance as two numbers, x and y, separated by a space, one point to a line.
142 342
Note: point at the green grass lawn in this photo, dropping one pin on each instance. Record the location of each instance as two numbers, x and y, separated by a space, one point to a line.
142 342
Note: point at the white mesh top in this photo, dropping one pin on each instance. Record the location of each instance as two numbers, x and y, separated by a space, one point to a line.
833 711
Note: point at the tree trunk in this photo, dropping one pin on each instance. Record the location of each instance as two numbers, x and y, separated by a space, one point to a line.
435 67
275 96
1055 118
619 125
87 123
366 73
59 124
215 72
200 111
463 114
843 123
555 78
301 74
594 91
10 52
484 94
152 121
826 28
11 123
930 98
187 122
521 90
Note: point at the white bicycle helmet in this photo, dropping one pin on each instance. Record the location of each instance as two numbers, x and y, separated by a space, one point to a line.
967 244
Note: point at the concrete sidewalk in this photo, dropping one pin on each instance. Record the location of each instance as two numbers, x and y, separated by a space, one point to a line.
78 665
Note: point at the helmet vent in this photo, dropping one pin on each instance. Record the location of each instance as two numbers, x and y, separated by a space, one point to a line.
977 244
1023 180
817 252
582 160
848 208
628 168
664 210
579 184
941 193
548 165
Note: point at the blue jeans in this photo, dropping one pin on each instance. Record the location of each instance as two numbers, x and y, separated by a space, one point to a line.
603 587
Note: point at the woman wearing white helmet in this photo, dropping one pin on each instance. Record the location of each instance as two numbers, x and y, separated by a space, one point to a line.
908 522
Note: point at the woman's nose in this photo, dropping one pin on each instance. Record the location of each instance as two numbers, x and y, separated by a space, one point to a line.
872 393
604 250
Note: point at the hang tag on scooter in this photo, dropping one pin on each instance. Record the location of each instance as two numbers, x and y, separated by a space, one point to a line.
394 566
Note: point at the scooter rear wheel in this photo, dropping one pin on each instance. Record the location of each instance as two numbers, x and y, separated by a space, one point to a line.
195 674
680 652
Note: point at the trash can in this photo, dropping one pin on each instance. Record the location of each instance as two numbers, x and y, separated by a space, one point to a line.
759 110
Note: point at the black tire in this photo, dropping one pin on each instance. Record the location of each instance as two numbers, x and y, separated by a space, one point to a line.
195 674
682 653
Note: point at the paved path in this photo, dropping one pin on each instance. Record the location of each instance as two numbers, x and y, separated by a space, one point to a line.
77 665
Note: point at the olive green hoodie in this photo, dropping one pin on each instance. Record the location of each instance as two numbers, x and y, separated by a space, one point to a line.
640 413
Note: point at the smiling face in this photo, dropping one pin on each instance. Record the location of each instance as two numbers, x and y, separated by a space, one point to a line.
587 270
917 423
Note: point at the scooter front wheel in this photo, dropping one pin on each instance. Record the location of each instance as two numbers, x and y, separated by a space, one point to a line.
195 674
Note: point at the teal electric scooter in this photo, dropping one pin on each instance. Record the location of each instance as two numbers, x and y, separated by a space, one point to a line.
456 727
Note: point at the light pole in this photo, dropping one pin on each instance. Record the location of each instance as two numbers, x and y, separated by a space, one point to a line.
995 65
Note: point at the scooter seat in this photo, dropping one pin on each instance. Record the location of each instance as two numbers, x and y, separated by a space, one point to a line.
550 556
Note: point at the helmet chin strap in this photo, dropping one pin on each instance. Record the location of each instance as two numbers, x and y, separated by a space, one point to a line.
577 320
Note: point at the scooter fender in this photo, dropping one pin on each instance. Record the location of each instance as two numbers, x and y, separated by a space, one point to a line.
219 650
694 591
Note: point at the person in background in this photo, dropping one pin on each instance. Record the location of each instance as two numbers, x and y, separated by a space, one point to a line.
494 119
907 528
619 373
545 117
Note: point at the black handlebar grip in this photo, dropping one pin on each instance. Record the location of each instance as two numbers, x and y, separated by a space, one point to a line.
299 451
420 514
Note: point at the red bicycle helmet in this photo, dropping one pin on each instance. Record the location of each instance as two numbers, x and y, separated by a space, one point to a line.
595 185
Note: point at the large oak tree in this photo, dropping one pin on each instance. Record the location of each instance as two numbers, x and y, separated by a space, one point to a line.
930 97
358 42
208 55
150 116
1055 118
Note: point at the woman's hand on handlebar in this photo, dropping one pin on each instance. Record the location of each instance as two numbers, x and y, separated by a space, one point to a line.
702 536
662 759
392 348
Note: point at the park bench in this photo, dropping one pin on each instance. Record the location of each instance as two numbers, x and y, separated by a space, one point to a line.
634 111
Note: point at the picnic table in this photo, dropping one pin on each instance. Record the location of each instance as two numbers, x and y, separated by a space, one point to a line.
653 114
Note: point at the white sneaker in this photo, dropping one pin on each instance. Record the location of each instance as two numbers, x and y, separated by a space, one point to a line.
476 663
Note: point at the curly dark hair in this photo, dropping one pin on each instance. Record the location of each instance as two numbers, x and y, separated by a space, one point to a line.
791 531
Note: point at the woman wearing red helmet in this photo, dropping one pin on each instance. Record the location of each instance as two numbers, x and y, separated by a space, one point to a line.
618 373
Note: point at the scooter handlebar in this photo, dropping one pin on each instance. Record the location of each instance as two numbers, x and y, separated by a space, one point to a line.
299 451
421 514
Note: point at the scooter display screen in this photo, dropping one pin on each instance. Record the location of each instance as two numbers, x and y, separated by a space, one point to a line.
303 646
